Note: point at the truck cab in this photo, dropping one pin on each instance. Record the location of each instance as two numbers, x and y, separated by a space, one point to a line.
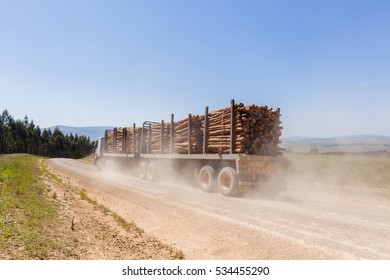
99 149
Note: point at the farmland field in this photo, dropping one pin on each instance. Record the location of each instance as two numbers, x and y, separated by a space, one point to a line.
340 170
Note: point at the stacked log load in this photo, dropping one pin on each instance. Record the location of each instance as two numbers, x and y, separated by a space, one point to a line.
121 146
256 131
109 136
119 139
181 139
131 138
157 146
114 140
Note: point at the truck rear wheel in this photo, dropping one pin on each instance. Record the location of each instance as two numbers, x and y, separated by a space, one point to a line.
207 178
152 171
142 170
228 182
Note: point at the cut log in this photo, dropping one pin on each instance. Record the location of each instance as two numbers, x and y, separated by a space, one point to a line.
256 130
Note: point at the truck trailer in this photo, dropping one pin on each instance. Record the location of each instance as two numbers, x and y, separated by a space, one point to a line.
226 150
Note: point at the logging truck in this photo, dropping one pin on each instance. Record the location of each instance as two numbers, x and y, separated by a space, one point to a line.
226 150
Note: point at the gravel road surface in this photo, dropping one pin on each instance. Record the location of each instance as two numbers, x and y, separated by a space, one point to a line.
304 222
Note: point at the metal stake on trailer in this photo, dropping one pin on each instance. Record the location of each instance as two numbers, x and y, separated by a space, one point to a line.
206 130
232 134
172 150
189 134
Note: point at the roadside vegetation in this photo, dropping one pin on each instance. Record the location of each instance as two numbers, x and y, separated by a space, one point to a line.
25 213
38 219
23 136
89 159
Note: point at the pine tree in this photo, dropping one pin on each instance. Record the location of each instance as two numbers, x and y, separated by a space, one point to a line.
18 136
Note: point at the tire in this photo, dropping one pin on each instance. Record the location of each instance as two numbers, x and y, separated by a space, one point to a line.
142 170
207 179
152 172
228 182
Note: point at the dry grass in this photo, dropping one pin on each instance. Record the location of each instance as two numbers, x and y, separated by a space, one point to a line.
343 170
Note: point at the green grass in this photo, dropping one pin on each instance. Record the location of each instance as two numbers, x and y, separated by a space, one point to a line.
88 159
343 170
44 168
122 222
25 212
28 218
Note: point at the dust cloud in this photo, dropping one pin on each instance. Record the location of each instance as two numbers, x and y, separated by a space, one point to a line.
346 181
327 180
168 172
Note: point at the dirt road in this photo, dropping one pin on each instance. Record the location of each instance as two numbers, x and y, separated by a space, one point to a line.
305 222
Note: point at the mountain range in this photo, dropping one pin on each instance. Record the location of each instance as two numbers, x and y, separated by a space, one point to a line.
340 144
93 132
344 138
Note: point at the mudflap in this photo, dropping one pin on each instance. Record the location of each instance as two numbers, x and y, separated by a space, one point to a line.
264 173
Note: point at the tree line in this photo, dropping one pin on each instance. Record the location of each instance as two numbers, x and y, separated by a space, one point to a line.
23 136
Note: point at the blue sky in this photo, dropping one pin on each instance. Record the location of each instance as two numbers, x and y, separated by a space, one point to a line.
326 64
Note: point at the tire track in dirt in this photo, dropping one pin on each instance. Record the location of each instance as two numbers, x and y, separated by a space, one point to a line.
210 226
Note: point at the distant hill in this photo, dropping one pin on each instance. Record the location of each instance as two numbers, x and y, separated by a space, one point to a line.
339 144
93 132
345 138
